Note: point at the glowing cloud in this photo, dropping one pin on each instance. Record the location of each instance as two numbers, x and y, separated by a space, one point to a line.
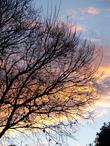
90 11
104 90
104 102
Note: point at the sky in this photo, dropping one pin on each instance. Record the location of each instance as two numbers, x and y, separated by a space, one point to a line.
92 20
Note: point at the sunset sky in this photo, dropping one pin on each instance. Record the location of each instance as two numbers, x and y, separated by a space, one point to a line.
92 20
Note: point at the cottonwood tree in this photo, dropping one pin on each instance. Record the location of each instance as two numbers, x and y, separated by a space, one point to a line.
47 72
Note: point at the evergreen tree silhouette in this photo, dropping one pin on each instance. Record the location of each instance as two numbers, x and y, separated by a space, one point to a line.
103 137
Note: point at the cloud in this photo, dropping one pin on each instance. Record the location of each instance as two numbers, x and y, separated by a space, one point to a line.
90 11
104 102
43 144
71 12
106 81
93 39
77 28
104 86
100 113
104 90
108 10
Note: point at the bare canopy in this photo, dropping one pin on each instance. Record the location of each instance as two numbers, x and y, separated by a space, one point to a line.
46 70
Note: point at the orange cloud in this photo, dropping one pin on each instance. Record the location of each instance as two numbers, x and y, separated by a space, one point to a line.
91 10
104 102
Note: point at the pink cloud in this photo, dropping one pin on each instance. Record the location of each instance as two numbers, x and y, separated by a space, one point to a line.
77 28
91 11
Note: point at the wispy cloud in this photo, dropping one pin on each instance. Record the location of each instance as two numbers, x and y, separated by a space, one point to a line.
104 90
77 28
104 86
71 12
93 39
108 10
90 10
100 113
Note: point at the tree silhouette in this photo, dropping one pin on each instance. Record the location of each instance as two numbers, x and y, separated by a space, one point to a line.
103 137
46 71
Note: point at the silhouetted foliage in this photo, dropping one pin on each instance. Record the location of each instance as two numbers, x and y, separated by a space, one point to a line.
103 137
46 71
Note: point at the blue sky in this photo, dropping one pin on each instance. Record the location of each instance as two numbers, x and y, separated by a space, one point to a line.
92 20
92 15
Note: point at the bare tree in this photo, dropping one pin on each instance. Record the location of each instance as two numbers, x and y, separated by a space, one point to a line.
46 71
